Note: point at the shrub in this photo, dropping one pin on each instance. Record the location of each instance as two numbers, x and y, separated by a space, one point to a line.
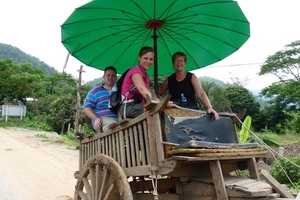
292 170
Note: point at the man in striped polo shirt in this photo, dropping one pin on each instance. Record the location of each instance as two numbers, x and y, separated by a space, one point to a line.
95 105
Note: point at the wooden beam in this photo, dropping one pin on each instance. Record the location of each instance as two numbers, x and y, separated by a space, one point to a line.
276 185
218 179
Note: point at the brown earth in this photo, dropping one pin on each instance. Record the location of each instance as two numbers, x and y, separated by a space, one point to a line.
33 169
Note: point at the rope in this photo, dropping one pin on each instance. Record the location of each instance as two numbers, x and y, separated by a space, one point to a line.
272 151
154 184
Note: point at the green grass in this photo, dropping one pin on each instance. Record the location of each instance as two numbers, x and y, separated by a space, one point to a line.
280 139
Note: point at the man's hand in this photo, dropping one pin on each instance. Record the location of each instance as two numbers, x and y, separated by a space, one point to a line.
98 124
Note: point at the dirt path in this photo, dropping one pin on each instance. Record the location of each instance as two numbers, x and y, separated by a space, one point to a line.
31 169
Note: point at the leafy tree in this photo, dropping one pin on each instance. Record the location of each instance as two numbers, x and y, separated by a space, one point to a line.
32 80
216 95
285 65
240 98
284 95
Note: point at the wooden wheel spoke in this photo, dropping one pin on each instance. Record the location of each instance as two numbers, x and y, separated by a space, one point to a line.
102 178
98 180
87 187
83 195
92 177
110 192
105 179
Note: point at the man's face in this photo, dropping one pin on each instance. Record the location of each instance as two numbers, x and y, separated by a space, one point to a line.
110 77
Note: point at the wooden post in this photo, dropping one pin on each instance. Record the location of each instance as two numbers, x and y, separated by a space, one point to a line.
78 107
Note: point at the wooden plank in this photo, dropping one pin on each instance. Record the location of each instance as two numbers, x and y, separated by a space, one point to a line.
127 142
136 146
114 148
118 157
217 176
276 185
145 133
122 149
106 145
142 143
252 168
110 145
152 142
158 137
132 149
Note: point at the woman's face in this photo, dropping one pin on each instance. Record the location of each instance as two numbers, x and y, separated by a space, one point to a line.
179 63
146 60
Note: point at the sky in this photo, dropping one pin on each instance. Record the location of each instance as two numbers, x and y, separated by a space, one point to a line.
33 26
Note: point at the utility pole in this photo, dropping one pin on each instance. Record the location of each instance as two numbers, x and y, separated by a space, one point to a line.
78 106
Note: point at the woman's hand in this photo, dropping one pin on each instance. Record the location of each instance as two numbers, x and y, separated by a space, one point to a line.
170 104
212 111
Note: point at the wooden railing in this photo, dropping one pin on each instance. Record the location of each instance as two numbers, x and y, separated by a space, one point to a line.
132 143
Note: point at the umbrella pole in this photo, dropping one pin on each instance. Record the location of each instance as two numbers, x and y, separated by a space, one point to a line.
155 61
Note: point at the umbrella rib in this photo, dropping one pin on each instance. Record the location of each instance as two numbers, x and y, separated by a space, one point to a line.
167 33
179 12
136 39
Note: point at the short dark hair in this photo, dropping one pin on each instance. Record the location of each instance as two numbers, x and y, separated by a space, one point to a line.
177 54
110 68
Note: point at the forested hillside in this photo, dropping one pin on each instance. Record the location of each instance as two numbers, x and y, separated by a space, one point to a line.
8 51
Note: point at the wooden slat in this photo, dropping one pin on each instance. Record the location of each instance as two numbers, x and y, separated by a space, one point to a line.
276 185
158 138
142 145
132 150
152 142
127 148
118 150
217 176
99 146
114 149
252 168
103 145
106 145
110 145
136 146
145 132
122 149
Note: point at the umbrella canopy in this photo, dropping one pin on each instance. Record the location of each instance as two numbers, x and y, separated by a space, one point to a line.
111 32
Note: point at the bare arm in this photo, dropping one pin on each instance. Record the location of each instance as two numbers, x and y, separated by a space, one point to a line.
139 83
163 88
203 96
90 113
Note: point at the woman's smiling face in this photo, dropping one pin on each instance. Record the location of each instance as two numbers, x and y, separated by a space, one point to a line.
146 60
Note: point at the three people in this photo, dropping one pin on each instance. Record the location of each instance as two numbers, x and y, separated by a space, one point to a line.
184 87
95 105
137 76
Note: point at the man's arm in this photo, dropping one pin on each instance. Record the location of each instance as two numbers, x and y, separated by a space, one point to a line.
90 113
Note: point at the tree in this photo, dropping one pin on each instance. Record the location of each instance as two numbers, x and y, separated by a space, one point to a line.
216 95
285 65
32 80
284 95
240 99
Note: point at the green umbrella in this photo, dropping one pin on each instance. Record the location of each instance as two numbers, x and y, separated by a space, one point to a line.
111 32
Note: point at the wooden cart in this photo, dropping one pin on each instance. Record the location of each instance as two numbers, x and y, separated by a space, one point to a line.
137 159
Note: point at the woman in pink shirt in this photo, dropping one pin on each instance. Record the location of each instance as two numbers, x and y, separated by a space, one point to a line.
137 76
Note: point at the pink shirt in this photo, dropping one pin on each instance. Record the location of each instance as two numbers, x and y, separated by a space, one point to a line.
127 83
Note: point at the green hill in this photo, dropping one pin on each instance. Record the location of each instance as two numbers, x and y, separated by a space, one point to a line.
18 56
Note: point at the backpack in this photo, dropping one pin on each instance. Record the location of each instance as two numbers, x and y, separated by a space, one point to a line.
116 98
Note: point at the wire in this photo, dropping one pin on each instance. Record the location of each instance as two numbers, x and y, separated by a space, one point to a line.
241 64
272 153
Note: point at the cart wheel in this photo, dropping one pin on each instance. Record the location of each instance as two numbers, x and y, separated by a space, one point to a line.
102 178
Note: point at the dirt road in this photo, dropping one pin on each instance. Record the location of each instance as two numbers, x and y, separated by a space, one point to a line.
31 169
